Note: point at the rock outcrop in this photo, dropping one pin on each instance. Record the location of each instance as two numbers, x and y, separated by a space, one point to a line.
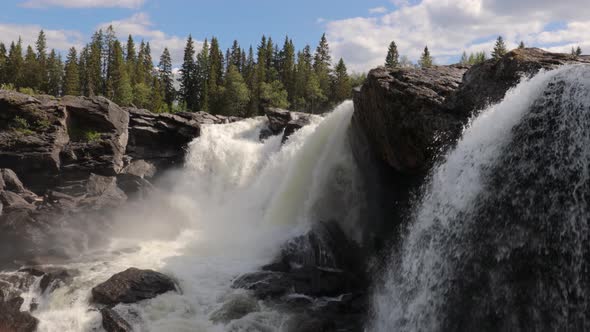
132 285
113 322
409 114
283 122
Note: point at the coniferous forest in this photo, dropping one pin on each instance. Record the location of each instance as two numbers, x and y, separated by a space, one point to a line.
235 82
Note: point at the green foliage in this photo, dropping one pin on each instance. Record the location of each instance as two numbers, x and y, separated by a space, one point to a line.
79 134
141 95
27 91
342 88
499 49
92 136
7 86
521 45
426 60
358 79
72 74
236 93
274 94
392 59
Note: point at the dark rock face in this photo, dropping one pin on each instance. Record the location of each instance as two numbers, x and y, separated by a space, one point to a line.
112 321
132 285
283 121
162 138
320 273
408 115
13 320
402 113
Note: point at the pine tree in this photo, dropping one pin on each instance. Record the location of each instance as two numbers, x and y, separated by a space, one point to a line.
139 75
166 77
3 60
480 57
322 66
342 86
287 68
521 45
188 77
235 56
107 52
131 59
578 51
499 49
215 81
236 93
42 70
148 64
202 77
71 84
426 60
303 72
30 78
55 74
15 64
392 59
94 65
157 102
83 70
121 90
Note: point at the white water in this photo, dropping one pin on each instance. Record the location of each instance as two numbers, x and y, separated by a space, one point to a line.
234 204
419 279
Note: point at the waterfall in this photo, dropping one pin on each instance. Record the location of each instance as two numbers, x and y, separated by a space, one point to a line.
499 239
234 204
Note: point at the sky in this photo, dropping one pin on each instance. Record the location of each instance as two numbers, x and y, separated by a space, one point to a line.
359 31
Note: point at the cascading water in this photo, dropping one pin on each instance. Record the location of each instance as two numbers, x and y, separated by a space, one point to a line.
499 241
234 205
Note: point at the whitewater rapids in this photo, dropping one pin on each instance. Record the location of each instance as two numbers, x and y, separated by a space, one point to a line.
234 204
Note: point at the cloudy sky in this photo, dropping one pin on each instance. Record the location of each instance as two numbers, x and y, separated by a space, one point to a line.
358 31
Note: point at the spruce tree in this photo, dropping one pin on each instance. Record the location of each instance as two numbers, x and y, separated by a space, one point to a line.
392 59
215 81
131 59
166 77
322 66
235 56
148 65
122 92
342 85
578 51
188 77
202 77
30 76
157 102
83 70
573 51
426 60
499 49
139 76
42 70
3 60
55 74
521 45
94 65
71 84
287 68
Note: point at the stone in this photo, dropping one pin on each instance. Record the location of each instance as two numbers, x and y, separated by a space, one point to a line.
13 320
113 322
131 286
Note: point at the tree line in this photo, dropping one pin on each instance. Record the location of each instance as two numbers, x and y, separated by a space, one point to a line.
393 59
239 82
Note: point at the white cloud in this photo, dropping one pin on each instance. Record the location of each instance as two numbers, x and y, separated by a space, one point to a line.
378 10
61 40
140 27
83 3
451 26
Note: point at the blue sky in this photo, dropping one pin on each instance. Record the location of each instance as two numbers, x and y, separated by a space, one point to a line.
358 31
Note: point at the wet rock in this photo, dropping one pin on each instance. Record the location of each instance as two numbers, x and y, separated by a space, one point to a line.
51 278
12 201
236 307
113 322
132 285
265 284
161 139
13 320
133 185
283 121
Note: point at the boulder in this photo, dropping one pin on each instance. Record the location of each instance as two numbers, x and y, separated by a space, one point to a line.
51 277
403 114
12 201
140 168
236 307
284 122
131 286
113 322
